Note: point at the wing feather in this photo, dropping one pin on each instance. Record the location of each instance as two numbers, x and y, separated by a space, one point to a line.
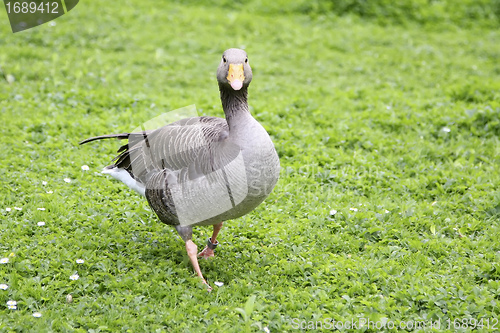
191 144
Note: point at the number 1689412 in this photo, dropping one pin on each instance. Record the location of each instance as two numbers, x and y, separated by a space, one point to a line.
32 7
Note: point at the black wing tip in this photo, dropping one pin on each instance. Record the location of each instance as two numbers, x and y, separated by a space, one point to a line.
85 141
121 136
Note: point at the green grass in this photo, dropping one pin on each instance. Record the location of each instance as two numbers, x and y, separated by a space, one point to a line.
394 127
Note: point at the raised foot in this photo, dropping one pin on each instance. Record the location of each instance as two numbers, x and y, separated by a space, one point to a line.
209 288
206 253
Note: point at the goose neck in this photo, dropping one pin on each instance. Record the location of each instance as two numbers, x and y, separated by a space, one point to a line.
234 103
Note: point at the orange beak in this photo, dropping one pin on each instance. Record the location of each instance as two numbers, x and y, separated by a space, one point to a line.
236 76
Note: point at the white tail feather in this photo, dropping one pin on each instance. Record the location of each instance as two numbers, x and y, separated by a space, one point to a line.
123 176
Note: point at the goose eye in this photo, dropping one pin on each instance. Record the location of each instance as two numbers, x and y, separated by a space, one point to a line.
224 59
246 59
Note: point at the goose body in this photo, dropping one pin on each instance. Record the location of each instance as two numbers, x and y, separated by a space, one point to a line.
202 170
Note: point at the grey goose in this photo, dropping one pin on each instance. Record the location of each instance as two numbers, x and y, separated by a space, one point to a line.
202 170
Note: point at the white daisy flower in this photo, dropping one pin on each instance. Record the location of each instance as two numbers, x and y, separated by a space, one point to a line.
37 314
50 192
219 284
4 260
266 329
353 209
10 78
80 261
386 211
333 212
3 286
85 167
44 183
12 305
74 277
41 224
446 129
67 180
18 208
8 209
41 208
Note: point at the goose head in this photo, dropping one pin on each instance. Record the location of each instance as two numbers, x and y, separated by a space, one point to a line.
234 71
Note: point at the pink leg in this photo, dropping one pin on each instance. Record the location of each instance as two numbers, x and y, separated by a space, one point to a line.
208 252
191 249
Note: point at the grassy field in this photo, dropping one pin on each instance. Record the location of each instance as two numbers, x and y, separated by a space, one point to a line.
388 205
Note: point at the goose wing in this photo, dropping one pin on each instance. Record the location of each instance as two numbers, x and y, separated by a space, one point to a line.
188 148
